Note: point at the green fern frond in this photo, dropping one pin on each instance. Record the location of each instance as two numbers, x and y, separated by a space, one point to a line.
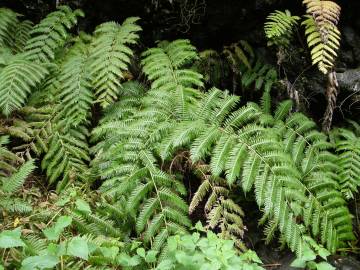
22 35
279 27
8 23
67 158
348 149
162 65
14 205
17 81
50 34
75 96
111 55
16 180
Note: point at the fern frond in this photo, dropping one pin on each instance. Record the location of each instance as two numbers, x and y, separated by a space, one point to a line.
222 213
8 24
75 96
348 149
17 81
279 27
66 158
22 35
323 36
15 205
17 179
111 55
50 34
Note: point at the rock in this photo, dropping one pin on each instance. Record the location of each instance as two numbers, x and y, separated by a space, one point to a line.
349 80
345 263
352 38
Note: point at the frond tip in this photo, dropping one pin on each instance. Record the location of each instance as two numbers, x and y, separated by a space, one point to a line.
323 36
279 27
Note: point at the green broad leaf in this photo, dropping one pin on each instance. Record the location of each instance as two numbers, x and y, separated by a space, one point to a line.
135 245
82 206
1 267
53 233
125 260
251 256
57 250
151 256
63 201
299 263
165 265
109 252
39 262
325 266
11 239
141 252
199 227
323 253
173 243
78 247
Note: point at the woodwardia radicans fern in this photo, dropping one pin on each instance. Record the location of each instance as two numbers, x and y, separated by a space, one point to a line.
151 133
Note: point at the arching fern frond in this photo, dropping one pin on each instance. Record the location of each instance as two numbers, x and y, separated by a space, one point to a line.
323 36
17 179
74 95
221 212
67 157
311 153
8 23
17 80
50 34
111 55
348 148
279 27
22 35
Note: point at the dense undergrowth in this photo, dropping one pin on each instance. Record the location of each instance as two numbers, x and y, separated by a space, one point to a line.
103 168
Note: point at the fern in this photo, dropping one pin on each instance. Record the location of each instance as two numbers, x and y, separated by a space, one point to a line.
17 81
17 179
50 34
67 157
323 36
222 213
258 158
279 27
153 197
348 148
240 62
111 55
12 179
22 35
8 24
75 95
318 166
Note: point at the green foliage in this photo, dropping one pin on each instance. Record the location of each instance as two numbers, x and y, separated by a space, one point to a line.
348 150
17 81
153 198
63 91
50 34
323 36
279 27
111 55
8 24
239 63
211 252
151 142
12 179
